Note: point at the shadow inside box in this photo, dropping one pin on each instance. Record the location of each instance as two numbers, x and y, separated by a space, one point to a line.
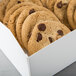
6 67
69 71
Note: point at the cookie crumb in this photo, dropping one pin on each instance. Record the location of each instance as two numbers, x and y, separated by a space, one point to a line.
42 27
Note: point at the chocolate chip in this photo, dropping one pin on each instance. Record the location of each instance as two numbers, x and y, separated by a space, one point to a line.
31 11
19 2
60 32
39 37
29 35
50 39
59 5
42 27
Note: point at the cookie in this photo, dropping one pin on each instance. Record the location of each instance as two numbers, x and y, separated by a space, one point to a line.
60 10
13 9
3 5
70 13
30 22
13 19
50 4
12 3
45 33
23 16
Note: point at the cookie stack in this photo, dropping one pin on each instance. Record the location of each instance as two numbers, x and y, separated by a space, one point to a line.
33 25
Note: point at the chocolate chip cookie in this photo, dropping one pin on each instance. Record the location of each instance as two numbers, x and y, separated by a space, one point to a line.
60 10
28 11
13 9
13 19
70 13
30 22
45 33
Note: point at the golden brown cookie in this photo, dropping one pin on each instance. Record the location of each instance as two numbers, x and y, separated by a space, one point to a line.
23 16
45 33
30 22
13 19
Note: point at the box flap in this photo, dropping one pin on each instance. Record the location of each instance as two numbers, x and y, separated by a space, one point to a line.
13 51
54 57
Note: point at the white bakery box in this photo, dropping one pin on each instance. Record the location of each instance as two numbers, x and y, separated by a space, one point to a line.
46 62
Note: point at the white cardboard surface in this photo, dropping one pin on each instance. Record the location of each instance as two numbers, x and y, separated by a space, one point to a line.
13 51
6 67
54 57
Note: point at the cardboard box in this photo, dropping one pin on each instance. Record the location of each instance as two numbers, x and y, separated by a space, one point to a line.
46 62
